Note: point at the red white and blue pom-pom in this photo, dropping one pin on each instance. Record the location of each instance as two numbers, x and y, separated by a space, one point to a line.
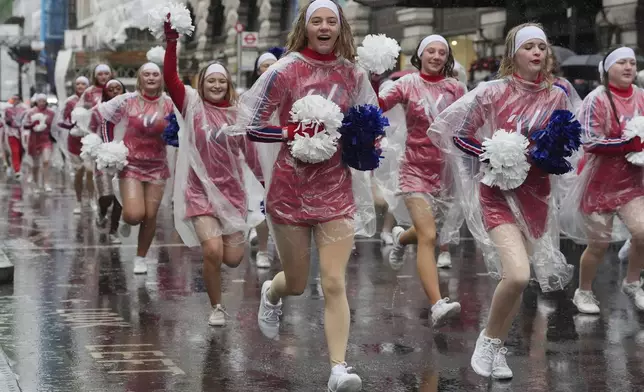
558 141
635 127
171 131
363 127
180 19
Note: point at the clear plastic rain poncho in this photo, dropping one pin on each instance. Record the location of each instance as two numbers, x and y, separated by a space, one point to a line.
415 167
139 123
514 105
39 122
607 180
209 177
13 118
569 89
91 97
300 193
63 124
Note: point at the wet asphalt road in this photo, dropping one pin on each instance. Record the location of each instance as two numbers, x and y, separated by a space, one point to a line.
77 319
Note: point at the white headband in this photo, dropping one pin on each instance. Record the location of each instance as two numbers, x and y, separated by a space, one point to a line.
266 57
102 68
615 56
40 96
112 81
82 79
215 68
150 67
526 34
317 4
428 40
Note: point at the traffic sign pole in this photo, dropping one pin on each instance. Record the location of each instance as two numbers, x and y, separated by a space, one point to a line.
239 57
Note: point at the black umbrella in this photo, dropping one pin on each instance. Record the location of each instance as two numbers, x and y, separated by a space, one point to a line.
561 53
585 66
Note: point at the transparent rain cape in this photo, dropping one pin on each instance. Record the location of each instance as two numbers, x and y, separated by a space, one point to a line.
513 105
329 187
606 182
412 165
120 111
211 170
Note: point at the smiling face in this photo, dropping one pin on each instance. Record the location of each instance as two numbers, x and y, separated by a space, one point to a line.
150 81
323 31
103 77
623 73
41 104
114 89
215 87
531 59
434 58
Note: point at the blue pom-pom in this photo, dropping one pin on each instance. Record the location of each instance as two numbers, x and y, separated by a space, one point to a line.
171 131
277 51
559 140
362 128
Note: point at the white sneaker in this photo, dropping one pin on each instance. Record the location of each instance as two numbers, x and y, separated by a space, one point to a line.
268 316
262 260
140 265
586 302
443 310
397 254
623 252
114 239
48 188
252 236
93 205
484 353
217 316
124 229
444 260
101 221
635 293
386 238
78 209
343 381
500 368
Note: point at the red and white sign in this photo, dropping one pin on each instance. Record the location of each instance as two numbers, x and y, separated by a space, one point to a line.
249 39
239 28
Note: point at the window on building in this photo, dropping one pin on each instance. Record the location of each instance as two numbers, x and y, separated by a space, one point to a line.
71 4
216 21
251 21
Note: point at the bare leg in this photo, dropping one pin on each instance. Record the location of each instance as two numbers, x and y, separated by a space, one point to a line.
293 246
632 216
116 215
599 235
510 246
78 183
425 230
335 240
262 236
153 198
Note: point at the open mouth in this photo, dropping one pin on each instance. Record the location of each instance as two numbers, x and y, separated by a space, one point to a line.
324 38
536 62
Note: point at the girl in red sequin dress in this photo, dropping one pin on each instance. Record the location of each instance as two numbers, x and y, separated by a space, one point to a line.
210 200
139 120
38 123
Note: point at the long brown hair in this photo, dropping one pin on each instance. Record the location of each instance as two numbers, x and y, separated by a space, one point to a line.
344 46
231 95
508 67
139 84
448 68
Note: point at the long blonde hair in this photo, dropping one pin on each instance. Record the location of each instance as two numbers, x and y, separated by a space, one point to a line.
139 83
231 94
344 46
508 67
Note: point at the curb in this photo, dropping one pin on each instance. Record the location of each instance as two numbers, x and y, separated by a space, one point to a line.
8 379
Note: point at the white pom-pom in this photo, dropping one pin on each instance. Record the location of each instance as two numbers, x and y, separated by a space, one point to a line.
508 163
91 144
81 117
316 149
635 127
315 110
179 19
378 53
156 55
40 121
112 156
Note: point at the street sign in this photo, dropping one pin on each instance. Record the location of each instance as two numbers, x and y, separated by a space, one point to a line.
239 28
249 39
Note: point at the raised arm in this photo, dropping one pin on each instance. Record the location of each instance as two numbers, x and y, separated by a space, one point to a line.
176 89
